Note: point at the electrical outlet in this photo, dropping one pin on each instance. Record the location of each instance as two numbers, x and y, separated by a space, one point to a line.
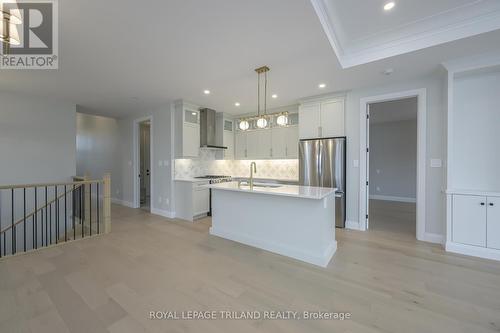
159 200
356 163
378 189
167 201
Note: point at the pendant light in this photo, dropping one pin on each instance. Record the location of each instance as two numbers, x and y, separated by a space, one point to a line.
262 119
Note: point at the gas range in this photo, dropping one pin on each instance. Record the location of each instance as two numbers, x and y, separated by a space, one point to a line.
215 179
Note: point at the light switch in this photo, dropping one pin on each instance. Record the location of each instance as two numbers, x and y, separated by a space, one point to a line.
165 163
355 163
160 163
436 163
129 162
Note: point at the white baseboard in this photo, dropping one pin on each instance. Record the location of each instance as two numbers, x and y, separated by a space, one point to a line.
122 202
353 225
320 260
162 212
392 198
474 251
433 238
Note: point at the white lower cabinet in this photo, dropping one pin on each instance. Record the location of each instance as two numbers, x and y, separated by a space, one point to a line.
493 225
469 220
476 221
201 199
192 199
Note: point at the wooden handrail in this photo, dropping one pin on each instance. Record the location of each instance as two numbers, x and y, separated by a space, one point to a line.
41 208
8 187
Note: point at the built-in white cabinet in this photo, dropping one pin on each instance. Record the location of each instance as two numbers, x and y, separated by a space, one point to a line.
187 130
321 119
469 220
472 182
475 224
493 223
285 142
240 145
192 199
224 129
275 143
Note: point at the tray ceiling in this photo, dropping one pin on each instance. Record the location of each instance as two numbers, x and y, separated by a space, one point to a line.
361 31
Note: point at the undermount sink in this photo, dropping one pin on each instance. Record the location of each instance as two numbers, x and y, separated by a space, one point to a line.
262 185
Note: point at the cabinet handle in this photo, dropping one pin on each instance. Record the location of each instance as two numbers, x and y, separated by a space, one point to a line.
320 131
271 152
286 151
482 203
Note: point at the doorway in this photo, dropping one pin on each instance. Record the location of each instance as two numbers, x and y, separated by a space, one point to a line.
392 166
392 163
143 141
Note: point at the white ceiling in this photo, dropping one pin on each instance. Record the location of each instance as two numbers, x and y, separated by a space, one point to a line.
392 111
118 57
362 31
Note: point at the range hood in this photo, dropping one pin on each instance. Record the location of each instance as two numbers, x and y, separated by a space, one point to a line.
208 137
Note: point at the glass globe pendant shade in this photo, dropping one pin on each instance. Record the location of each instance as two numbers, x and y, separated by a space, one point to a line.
282 120
244 125
261 122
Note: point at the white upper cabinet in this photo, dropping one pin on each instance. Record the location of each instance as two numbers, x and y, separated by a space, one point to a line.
292 142
187 130
332 118
264 145
322 119
309 121
279 142
240 145
285 142
224 130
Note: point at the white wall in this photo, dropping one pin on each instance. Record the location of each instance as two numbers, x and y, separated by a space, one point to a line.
436 129
476 132
98 148
37 145
393 159
161 176
37 140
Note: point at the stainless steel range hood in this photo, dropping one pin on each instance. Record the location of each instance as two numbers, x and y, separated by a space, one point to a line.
207 129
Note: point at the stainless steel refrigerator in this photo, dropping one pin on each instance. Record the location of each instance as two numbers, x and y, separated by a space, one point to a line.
322 162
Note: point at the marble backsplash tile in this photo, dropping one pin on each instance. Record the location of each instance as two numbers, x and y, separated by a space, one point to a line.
207 164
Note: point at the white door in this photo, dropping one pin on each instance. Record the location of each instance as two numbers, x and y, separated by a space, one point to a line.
367 197
332 118
264 147
469 220
309 121
279 142
252 144
240 145
493 225
292 142
191 140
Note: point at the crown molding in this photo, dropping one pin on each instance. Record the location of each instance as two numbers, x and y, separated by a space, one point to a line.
458 23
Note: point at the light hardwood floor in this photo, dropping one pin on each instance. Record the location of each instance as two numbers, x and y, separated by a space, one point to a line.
149 263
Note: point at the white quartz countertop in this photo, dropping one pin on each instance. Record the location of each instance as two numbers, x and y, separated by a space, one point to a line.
305 192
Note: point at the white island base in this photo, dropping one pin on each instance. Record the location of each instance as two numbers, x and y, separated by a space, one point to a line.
295 226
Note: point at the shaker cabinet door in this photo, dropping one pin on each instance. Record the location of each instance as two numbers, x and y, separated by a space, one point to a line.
469 220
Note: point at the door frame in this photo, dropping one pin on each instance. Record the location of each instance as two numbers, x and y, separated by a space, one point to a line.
136 164
421 95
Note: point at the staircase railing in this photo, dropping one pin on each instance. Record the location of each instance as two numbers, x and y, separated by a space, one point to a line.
34 216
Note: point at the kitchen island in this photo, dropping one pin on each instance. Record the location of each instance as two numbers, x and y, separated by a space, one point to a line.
294 221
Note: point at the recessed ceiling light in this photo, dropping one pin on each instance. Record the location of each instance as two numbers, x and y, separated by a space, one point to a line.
321 85
388 71
206 92
236 104
389 5
274 96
